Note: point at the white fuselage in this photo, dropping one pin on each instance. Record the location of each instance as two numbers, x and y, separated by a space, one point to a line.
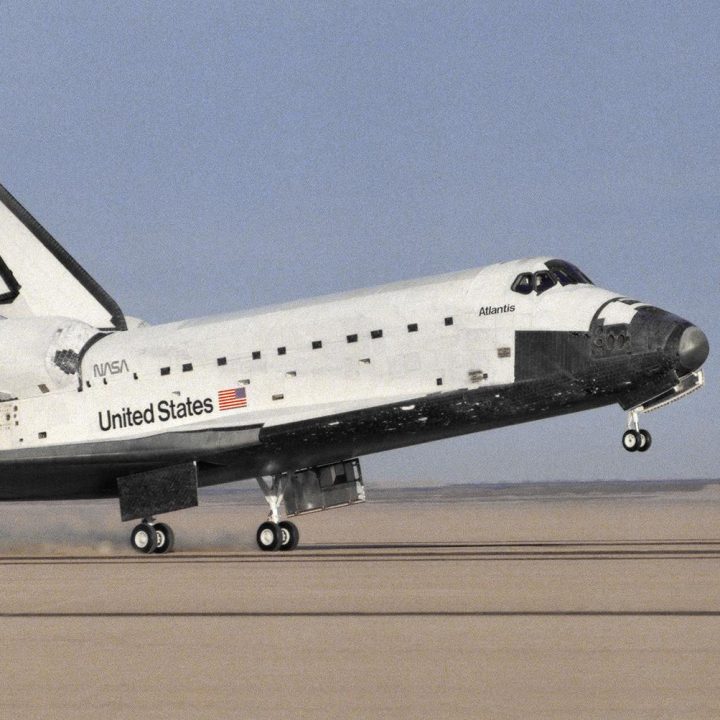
296 361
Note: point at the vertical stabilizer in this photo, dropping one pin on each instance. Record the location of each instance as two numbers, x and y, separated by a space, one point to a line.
38 277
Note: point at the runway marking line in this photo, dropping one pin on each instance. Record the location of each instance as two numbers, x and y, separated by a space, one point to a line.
414 552
372 614
370 557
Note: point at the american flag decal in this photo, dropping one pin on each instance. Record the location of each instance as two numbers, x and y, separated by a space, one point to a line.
232 398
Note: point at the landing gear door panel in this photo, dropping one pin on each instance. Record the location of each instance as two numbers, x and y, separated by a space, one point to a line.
155 492
324 487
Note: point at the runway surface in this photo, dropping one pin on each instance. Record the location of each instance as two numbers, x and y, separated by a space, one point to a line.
544 607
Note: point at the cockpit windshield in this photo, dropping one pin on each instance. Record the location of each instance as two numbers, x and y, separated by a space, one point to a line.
567 273
558 272
544 280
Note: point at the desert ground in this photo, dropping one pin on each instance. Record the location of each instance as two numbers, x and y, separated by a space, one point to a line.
547 601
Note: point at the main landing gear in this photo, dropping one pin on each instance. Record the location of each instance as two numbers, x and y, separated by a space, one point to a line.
635 438
275 534
282 535
152 537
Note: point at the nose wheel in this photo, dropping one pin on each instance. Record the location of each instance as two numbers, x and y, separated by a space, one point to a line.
635 438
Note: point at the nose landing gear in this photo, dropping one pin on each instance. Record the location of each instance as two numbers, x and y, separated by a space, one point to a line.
636 438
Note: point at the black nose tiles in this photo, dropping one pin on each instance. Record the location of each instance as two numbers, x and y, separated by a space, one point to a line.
693 349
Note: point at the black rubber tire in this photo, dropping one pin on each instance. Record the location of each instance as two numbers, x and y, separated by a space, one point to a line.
143 538
289 535
166 543
631 440
646 441
268 536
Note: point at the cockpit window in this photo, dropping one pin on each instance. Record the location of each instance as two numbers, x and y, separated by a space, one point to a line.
543 281
566 273
558 271
563 278
523 284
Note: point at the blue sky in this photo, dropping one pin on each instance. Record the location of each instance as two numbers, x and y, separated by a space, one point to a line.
204 157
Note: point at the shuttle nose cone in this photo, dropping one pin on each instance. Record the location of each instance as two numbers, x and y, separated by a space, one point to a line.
693 348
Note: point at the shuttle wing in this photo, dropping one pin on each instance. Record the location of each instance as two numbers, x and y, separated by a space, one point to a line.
38 277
